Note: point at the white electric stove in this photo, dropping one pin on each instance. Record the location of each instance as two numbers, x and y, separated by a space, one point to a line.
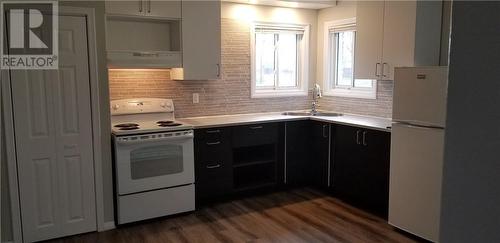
154 160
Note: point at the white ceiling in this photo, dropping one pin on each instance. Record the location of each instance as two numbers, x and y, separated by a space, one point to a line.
309 4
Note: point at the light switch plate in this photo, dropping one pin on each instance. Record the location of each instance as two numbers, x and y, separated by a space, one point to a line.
196 98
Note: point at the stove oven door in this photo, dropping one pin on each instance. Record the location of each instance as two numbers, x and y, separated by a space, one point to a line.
154 161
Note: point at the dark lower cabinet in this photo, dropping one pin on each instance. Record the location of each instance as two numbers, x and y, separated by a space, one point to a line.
361 167
307 153
298 171
230 160
213 163
320 153
352 162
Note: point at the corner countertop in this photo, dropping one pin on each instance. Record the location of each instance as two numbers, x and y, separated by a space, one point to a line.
369 122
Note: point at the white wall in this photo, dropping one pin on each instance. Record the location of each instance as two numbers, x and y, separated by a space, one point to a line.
471 176
248 13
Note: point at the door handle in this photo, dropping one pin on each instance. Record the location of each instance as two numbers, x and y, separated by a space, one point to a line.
383 68
213 166
256 127
364 138
218 70
140 6
325 132
214 143
357 137
149 6
377 65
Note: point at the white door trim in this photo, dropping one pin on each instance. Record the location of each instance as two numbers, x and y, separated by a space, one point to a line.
89 14
11 158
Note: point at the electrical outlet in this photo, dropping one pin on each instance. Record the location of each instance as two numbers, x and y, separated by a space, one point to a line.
196 98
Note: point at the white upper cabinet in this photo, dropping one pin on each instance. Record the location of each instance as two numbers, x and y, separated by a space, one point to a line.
148 8
168 9
399 36
369 38
390 32
124 7
201 41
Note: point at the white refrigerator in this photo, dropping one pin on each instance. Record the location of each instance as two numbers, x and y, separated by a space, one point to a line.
417 143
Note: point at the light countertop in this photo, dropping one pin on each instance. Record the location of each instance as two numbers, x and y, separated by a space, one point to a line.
369 122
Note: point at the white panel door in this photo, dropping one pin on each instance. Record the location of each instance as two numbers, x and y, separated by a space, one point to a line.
369 33
53 130
399 36
201 40
420 95
415 179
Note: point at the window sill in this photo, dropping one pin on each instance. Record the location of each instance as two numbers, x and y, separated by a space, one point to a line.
275 94
350 93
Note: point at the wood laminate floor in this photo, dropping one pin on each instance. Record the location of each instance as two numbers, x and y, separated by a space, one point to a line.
299 215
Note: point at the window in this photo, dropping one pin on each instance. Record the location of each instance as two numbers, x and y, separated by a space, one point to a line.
279 60
340 45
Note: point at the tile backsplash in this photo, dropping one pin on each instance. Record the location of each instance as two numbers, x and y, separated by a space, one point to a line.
231 93
381 107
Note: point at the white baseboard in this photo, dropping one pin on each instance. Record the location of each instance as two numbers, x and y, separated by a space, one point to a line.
108 226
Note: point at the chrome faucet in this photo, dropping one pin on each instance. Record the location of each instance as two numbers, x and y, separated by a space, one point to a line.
316 96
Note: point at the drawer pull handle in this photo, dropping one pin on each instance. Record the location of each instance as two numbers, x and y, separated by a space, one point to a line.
213 131
256 127
213 166
214 143
357 137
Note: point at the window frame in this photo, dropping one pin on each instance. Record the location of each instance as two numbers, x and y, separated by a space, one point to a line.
302 62
329 66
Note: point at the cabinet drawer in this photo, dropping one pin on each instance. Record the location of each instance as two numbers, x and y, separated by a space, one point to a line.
213 165
206 189
255 134
213 137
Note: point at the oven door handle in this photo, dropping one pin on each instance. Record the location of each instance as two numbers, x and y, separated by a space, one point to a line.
138 140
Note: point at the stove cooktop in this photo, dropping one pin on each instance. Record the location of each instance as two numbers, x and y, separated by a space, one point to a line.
137 127
144 115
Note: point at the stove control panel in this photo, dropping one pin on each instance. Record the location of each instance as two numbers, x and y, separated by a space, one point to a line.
188 134
141 105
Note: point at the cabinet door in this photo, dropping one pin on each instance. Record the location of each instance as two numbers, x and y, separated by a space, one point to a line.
376 159
399 36
320 140
369 36
347 162
165 9
125 7
297 153
201 40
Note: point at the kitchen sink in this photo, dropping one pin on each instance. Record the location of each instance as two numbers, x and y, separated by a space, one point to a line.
328 114
292 113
